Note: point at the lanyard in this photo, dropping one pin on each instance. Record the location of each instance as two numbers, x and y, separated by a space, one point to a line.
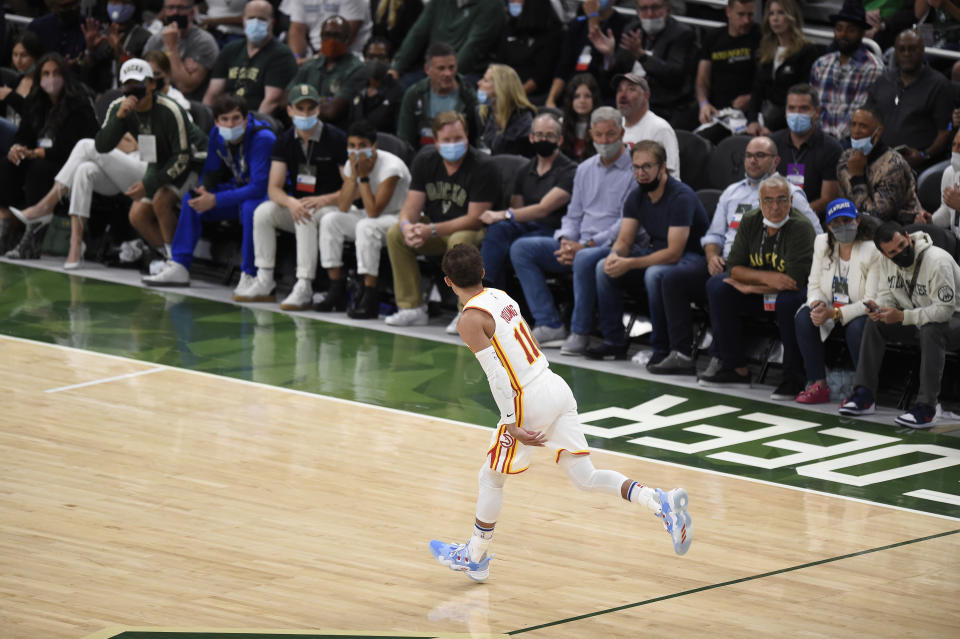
239 177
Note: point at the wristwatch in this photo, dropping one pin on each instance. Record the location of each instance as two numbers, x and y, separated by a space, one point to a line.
363 180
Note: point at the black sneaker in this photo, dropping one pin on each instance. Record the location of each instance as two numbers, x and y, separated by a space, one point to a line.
788 390
919 416
336 299
725 378
607 351
367 307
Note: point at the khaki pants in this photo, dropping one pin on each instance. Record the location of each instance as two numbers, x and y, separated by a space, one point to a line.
403 260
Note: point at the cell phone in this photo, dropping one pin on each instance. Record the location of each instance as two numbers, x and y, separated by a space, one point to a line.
901 148
872 306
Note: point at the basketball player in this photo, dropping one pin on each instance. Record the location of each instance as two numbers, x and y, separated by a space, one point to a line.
537 408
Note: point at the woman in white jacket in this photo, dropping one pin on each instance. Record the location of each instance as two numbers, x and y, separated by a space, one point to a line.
836 288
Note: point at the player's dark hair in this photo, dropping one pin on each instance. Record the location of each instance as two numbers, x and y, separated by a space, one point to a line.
463 265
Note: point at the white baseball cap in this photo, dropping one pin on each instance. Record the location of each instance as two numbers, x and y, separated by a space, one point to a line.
135 69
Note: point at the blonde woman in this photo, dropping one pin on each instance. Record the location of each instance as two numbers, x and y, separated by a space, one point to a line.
504 112
784 59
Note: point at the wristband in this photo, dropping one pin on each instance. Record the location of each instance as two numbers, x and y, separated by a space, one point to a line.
510 215
433 230
403 224
702 102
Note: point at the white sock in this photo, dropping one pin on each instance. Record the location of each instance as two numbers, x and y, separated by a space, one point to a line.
638 493
168 250
265 274
479 542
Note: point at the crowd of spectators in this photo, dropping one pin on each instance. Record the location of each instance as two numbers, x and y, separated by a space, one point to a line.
554 135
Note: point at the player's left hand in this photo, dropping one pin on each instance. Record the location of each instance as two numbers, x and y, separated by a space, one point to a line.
527 437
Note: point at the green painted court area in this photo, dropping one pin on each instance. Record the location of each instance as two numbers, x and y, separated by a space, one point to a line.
777 443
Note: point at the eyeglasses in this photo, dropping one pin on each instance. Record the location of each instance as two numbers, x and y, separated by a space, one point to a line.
549 137
758 156
646 168
650 8
177 8
779 201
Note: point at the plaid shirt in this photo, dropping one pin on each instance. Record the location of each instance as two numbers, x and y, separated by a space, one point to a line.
843 87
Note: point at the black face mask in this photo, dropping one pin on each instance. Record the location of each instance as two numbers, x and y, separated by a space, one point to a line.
181 20
649 187
161 82
544 148
139 91
904 259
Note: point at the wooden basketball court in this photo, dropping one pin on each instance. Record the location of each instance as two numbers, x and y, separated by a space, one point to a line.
138 495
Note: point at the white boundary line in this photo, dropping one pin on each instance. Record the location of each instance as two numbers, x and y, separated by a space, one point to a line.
396 411
104 380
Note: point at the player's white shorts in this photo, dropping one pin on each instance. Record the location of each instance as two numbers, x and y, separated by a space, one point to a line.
546 405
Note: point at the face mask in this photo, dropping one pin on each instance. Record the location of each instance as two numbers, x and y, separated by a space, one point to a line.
453 151
481 96
161 83
799 123
845 233
256 30
544 148
305 122
179 19
608 151
332 48
515 9
52 84
955 161
120 13
775 225
231 134
653 26
358 152
862 144
139 91
904 259
649 187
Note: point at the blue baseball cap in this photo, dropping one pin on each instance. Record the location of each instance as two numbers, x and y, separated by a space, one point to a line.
841 208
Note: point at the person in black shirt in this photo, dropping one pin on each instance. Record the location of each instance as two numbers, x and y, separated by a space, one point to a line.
303 186
451 185
530 44
540 195
726 67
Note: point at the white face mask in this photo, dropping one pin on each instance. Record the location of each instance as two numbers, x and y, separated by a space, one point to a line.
607 151
653 26
775 225
955 161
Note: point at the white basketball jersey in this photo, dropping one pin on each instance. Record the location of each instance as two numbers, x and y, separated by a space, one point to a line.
512 339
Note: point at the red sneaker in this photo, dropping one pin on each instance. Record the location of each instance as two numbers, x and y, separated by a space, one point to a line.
815 393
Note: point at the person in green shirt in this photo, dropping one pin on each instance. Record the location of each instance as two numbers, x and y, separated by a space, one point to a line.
256 67
337 74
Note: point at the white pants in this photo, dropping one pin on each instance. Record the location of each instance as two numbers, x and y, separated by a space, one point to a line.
270 216
369 233
87 172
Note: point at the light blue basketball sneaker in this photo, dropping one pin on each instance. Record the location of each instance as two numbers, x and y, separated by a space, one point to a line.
676 519
456 557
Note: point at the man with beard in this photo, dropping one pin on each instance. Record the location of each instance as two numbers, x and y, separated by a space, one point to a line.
843 77
915 102
540 195
640 123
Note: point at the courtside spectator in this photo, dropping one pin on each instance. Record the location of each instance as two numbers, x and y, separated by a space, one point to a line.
125 35
160 65
640 123
947 216
662 223
379 102
580 98
767 272
843 77
504 113
540 196
876 178
600 187
842 260
308 16
392 19
808 156
192 50
726 69
913 299
530 44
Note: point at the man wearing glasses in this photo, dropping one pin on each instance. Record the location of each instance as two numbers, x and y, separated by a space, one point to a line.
192 51
766 272
540 195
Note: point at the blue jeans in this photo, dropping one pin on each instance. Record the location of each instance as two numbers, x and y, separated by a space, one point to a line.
496 246
190 225
727 305
669 314
811 347
533 258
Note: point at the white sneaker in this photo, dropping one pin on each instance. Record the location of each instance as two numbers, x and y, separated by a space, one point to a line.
409 317
174 274
245 281
157 266
452 326
549 337
300 298
261 290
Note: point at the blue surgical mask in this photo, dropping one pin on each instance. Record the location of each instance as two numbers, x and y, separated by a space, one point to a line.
452 151
256 30
359 152
231 134
862 144
120 13
481 96
305 122
799 123
515 8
